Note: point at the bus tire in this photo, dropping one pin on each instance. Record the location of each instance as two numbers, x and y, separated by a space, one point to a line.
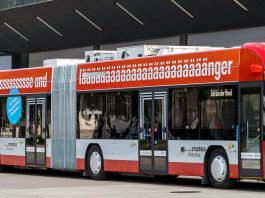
95 163
218 170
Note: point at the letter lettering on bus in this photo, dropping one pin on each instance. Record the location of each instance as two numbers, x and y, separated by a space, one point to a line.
173 71
191 70
23 83
16 82
204 69
198 70
8 84
150 73
186 70
31 82
145 73
139 74
224 68
156 76
229 65
161 72
167 72
128 75
133 74
112 76
98 79
210 69
217 70
92 80
179 71
19 83
108 77
118 76
123 75
102 79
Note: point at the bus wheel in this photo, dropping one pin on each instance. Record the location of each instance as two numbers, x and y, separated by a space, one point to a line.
95 163
218 170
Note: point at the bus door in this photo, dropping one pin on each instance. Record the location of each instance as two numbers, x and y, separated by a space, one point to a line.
251 131
35 131
153 132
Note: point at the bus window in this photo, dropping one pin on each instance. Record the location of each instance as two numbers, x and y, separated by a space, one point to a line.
8 130
218 113
184 113
91 115
121 115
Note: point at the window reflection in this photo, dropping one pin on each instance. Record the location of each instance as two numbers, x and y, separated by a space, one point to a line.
203 113
122 114
108 115
250 119
90 115
218 113
184 114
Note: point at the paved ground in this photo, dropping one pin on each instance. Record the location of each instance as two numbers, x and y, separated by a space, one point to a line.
35 184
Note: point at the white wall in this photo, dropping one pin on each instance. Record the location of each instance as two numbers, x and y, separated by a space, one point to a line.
5 62
36 59
228 38
160 41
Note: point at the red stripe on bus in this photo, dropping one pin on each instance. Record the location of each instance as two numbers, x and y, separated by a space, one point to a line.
48 162
183 168
195 169
12 160
80 164
126 166
233 169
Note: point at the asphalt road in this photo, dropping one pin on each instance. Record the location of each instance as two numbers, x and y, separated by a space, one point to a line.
16 183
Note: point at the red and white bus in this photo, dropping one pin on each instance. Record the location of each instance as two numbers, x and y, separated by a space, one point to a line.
196 114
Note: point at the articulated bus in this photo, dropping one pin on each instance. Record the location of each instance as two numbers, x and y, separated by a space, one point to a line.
194 114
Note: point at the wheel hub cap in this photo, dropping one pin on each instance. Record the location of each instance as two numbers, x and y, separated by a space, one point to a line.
219 168
95 162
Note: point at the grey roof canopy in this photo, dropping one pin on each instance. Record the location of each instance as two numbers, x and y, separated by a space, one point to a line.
61 24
